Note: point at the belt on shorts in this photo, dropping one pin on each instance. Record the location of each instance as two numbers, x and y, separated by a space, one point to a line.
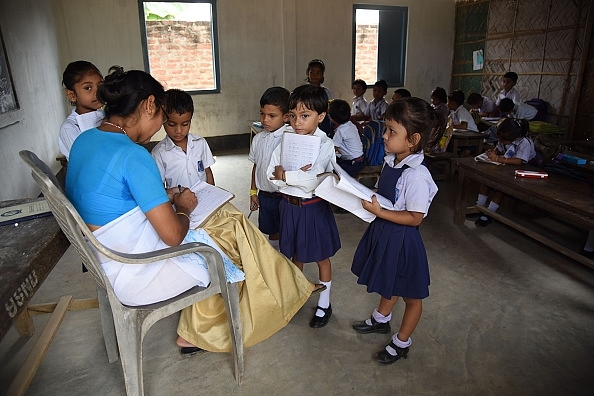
298 201
358 159
268 194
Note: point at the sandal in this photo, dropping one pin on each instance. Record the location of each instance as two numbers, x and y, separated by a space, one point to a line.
318 289
187 352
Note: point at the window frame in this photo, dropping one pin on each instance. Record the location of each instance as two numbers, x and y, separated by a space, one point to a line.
215 42
384 61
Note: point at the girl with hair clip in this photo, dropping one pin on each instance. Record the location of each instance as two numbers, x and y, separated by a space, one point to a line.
391 259
514 148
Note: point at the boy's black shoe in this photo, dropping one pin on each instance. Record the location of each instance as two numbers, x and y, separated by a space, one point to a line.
483 221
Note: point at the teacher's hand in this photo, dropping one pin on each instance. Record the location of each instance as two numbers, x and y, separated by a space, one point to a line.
185 201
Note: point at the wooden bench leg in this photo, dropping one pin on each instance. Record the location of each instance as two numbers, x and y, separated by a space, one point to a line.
24 324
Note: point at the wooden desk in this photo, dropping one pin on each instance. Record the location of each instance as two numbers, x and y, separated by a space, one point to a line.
29 252
559 195
467 139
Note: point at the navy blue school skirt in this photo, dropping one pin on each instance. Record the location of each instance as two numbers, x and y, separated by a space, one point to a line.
391 260
307 232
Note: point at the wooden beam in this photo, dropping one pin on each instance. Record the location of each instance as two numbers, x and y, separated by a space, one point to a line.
74 306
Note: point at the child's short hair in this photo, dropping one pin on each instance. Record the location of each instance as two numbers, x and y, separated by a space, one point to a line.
417 116
405 93
475 99
381 83
506 105
340 111
75 71
312 97
360 82
178 101
276 96
509 129
440 94
512 76
457 97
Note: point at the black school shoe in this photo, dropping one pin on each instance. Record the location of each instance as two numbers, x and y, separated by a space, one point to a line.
375 327
483 221
321 321
384 357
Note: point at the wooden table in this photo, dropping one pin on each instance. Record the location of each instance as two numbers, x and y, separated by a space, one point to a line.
461 138
29 252
571 199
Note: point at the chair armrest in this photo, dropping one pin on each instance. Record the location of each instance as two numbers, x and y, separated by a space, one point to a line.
150 257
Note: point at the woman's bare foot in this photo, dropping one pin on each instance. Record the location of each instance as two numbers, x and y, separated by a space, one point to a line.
183 343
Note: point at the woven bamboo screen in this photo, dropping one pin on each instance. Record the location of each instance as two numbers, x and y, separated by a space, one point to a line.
544 41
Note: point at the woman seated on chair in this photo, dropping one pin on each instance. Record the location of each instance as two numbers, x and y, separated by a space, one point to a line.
116 187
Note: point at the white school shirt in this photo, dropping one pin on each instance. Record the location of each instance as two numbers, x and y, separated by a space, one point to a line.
69 130
299 183
522 148
359 106
263 144
346 138
487 107
524 111
461 114
376 110
415 189
179 168
512 94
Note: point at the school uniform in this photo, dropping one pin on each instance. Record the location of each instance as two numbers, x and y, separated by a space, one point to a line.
179 168
359 106
376 110
346 138
460 115
512 94
522 148
487 107
524 111
391 259
263 145
308 229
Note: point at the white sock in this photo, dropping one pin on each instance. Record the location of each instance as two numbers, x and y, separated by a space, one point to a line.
399 344
274 243
482 200
493 206
379 318
324 299
589 246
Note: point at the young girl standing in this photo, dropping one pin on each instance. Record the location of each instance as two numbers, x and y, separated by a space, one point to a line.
391 258
308 230
514 148
81 79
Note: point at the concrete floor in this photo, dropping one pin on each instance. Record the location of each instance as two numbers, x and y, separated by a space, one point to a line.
506 316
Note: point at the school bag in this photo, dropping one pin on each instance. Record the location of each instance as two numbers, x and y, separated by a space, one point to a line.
541 107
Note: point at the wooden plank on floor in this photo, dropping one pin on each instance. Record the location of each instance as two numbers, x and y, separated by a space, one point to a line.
74 306
27 371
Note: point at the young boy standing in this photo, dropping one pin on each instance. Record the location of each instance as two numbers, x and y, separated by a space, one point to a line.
274 113
183 159
359 102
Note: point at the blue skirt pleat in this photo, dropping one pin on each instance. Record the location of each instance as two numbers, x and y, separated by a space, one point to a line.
391 260
309 232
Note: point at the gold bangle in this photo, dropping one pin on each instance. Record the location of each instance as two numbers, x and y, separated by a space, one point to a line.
183 214
253 192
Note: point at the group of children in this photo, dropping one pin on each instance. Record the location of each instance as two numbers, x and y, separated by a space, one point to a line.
362 110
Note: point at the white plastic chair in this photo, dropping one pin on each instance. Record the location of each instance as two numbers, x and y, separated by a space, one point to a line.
132 323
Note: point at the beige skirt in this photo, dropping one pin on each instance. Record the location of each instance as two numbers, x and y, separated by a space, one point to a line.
273 291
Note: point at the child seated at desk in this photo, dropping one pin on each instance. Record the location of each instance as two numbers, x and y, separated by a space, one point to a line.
347 142
461 118
480 104
514 148
517 110
439 100
359 102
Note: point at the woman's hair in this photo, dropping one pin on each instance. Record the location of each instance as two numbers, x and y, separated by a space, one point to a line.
440 94
315 63
509 129
340 111
178 102
417 116
312 97
276 96
122 91
75 71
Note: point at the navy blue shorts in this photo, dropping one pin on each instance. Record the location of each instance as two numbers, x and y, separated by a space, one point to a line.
269 216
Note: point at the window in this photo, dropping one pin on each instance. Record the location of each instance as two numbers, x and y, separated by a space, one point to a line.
180 44
379 43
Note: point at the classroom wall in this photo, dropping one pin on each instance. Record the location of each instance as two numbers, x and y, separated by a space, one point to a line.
262 43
